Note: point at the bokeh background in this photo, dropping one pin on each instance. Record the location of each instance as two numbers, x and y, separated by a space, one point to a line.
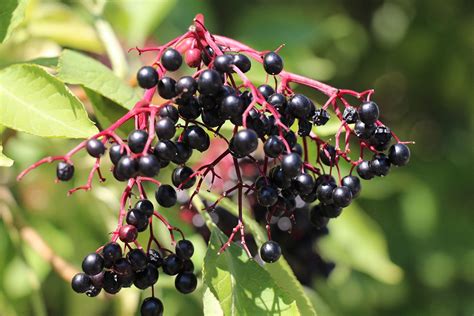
408 250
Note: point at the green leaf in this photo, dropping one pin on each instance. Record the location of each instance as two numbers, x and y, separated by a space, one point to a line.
35 102
4 160
12 13
76 68
280 270
108 112
357 242
241 286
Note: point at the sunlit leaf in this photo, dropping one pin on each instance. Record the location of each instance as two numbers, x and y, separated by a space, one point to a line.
76 68
12 13
35 102
4 160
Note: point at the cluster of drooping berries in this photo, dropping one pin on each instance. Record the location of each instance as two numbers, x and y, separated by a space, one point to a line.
272 127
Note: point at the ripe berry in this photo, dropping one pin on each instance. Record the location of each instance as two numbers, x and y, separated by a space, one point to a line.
231 105
151 306
93 291
304 127
299 106
183 153
303 183
350 115
172 264
364 171
181 176
145 206
147 277
270 251
166 195
266 91
185 282
165 150
369 112
328 155
380 165
291 165
148 166
381 138
111 282
353 183
127 167
95 147
184 249
171 59
244 142
193 57
196 138
317 218
272 63
321 117
165 128
154 258
278 101
324 192
137 259
115 153
137 140
80 283
189 108
112 251
242 62
207 54
267 196
209 82
399 154
330 210
170 112
342 196
224 63
167 88
273 146
64 171
147 77
93 264
186 86
188 266
364 131
138 219
128 233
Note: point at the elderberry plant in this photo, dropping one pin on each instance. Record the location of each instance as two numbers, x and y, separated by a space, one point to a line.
274 130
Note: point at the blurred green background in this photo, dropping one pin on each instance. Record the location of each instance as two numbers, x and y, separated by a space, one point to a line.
417 55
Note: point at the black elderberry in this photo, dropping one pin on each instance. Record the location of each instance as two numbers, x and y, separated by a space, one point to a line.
151 306
183 153
224 63
328 155
172 264
278 101
165 128
137 140
380 165
147 277
116 152
112 251
304 128
364 131
270 251
95 147
196 137
127 167
303 183
317 217
186 86
171 59
364 170
185 282
324 192
291 165
353 183
266 91
138 219
64 171
148 165
145 206
231 106
297 149
321 117
273 146
98 279
155 258
165 150
299 106
93 291
399 154
207 54
279 178
188 266
381 138
207 102
212 118
128 233
242 62
137 259
244 142
166 195
93 264
342 196
147 77
272 63
181 177
209 82
369 112
290 138
189 108
184 249
167 88
170 112
350 115
330 210
267 196
111 283
80 283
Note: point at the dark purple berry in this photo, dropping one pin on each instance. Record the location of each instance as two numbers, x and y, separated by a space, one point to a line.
147 77
272 63
270 251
